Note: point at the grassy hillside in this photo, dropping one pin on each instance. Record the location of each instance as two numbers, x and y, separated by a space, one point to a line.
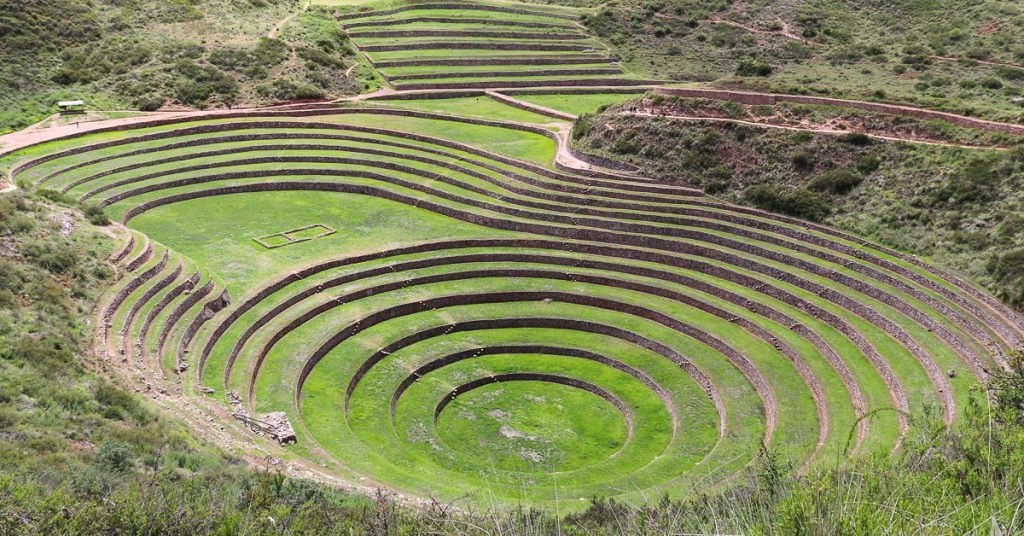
928 52
141 55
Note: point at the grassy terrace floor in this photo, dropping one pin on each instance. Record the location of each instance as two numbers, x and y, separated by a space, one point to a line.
482 321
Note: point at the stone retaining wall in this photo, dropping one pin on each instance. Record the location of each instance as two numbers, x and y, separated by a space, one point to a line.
449 5
143 256
507 74
491 298
132 286
595 160
175 316
587 82
481 45
496 34
756 251
220 127
184 286
515 103
627 412
520 349
880 364
207 312
142 301
753 250
738 359
811 381
124 251
454 20
579 91
467 62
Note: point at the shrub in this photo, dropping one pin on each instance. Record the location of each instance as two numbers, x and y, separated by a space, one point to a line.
1010 73
1008 272
836 181
195 85
67 76
1008 388
803 160
868 163
115 455
54 195
716 187
118 404
624 146
859 139
582 127
800 203
753 68
11 219
283 90
149 103
977 182
55 258
992 83
96 216
321 58
1011 226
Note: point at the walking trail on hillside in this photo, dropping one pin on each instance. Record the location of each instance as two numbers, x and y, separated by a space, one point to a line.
817 130
281 23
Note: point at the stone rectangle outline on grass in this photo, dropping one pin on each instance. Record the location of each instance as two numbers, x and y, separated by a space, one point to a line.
265 240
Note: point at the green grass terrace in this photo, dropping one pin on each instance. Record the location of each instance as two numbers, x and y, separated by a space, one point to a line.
463 45
483 323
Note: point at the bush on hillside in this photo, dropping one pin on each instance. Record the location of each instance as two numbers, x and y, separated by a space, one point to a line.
252 62
803 160
868 163
196 85
859 139
836 181
582 127
95 215
753 68
1011 73
56 258
977 182
286 90
803 204
1008 272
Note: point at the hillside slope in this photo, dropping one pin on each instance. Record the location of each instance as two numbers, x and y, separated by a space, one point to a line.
949 194
957 55
143 55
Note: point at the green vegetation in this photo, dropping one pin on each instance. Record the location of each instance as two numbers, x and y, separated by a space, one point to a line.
129 467
145 55
927 53
210 322
576 104
482 107
547 46
388 182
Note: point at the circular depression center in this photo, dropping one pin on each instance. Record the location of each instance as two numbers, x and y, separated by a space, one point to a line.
534 425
